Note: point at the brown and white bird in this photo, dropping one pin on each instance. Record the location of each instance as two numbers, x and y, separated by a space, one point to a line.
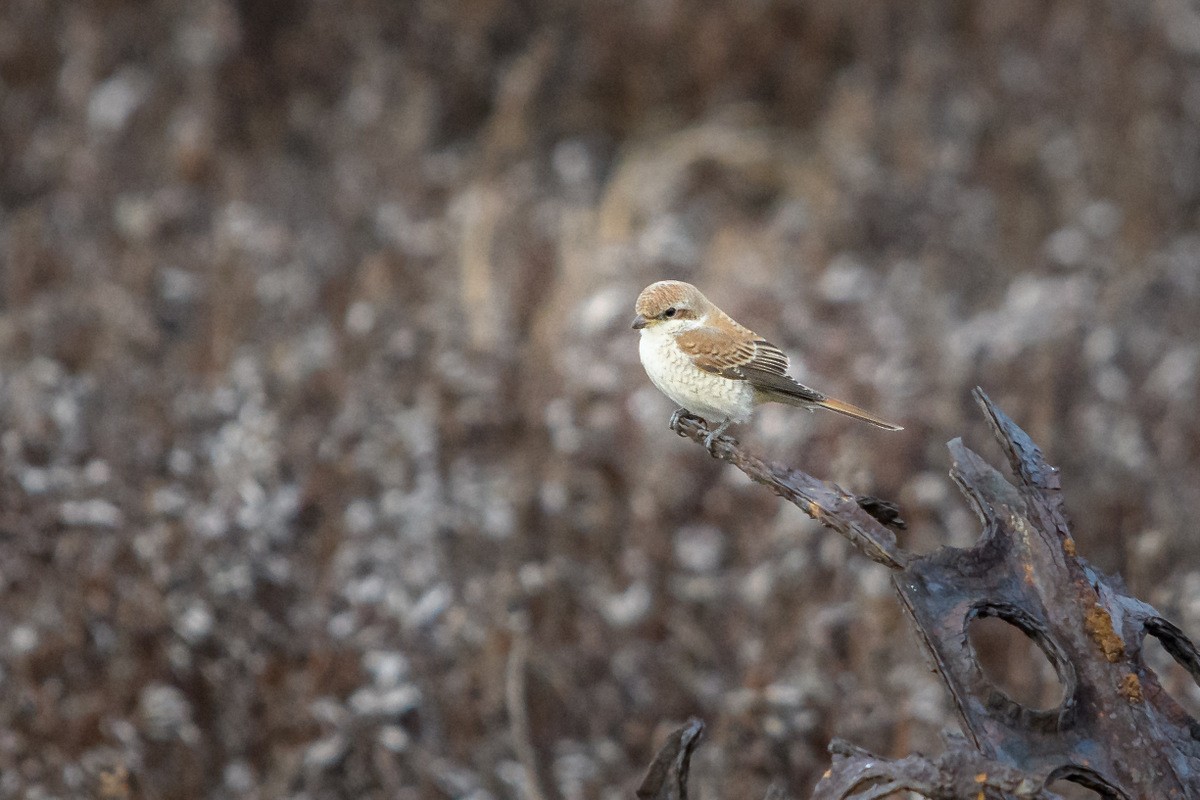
711 366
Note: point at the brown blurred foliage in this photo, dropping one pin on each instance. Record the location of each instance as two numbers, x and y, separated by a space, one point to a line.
328 466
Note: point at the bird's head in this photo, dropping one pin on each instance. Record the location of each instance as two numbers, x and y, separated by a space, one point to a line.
670 307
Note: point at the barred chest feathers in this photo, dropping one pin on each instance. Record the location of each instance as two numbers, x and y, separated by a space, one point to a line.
710 396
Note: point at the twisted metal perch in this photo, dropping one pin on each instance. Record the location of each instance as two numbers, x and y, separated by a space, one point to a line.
1116 730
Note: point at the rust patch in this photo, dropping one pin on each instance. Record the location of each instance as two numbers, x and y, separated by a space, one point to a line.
981 777
1069 546
1028 573
1099 626
1131 688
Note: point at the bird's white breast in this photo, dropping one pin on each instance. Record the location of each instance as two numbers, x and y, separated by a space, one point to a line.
710 396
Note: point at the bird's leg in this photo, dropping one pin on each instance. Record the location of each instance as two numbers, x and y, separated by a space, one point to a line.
678 417
715 434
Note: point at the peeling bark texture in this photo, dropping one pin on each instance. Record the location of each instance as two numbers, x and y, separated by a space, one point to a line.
1117 731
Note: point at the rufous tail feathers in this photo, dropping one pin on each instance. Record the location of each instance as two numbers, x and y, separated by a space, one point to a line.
856 412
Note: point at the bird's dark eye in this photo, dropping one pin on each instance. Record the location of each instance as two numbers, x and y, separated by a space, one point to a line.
670 312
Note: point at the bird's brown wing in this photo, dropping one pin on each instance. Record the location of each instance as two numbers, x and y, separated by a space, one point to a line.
755 360
763 366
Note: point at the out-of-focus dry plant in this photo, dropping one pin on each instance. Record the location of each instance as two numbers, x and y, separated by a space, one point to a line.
317 396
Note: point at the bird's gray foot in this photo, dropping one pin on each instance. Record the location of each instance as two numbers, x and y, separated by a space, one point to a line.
679 414
713 436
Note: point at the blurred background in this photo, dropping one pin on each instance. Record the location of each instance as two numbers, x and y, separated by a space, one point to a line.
329 469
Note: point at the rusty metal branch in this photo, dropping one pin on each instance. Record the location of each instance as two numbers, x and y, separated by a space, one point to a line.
825 502
1116 730
667 778
960 772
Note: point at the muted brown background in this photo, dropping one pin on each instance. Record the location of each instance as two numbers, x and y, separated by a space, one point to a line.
319 405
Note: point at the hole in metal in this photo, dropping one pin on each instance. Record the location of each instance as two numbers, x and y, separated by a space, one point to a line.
1081 783
1013 661
1070 790
1166 652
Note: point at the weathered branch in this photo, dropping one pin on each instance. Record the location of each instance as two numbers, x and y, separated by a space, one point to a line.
960 772
1116 730
668 774
825 502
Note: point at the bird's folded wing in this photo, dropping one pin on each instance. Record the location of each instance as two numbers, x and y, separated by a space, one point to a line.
755 360
775 385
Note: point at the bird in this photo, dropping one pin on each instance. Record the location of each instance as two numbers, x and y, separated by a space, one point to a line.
713 367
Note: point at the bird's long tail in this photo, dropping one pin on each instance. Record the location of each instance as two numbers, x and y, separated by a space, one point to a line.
783 389
857 413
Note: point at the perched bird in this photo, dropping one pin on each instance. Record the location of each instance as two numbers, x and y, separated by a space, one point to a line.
711 366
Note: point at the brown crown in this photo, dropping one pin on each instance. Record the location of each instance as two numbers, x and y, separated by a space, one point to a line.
658 297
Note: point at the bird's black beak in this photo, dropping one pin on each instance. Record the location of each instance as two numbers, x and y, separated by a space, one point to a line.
640 322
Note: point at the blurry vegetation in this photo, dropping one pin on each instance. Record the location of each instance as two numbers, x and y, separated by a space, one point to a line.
318 400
